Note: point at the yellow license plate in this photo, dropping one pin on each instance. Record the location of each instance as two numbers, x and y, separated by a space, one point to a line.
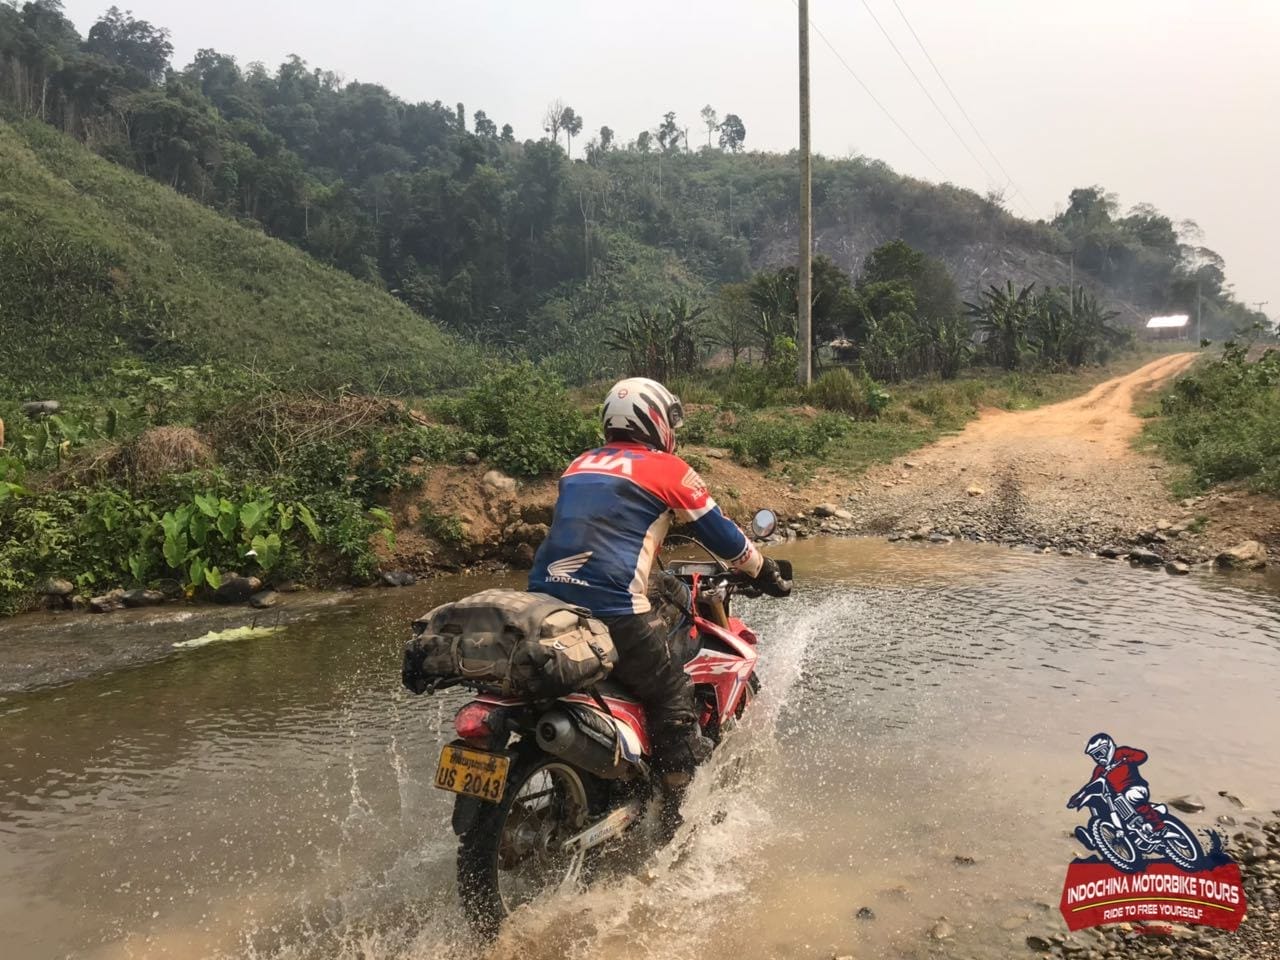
473 773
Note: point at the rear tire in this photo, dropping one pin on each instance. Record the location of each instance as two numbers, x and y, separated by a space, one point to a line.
511 854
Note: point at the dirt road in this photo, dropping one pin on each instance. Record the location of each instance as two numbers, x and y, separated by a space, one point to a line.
1065 475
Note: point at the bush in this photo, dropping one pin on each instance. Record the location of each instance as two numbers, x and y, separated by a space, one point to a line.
839 390
760 439
524 421
1222 421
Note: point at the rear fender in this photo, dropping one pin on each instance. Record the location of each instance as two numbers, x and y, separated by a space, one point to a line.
466 810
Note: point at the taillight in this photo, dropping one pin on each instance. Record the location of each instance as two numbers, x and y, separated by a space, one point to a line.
473 721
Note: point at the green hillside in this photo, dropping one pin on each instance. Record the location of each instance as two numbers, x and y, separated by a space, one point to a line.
99 264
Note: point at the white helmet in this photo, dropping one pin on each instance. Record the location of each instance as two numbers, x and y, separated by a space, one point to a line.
1101 748
644 411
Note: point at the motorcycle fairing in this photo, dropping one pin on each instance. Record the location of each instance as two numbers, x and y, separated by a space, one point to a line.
724 662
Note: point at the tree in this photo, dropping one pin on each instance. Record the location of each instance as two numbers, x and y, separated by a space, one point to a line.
668 132
711 121
485 127
1005 317
553 119
571 123
606 139
136 45
644 141
733 133
508 134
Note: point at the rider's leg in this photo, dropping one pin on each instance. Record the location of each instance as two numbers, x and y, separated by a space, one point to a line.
1139 797
645 667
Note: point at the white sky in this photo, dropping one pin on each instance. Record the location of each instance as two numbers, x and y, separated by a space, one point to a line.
1172 102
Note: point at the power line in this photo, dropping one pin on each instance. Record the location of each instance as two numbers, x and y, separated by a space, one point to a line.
920 83
963 112
874 99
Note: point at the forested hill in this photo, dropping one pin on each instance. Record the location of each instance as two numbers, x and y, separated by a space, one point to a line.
545 244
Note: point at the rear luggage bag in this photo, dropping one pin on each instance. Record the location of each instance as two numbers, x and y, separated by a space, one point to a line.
525 644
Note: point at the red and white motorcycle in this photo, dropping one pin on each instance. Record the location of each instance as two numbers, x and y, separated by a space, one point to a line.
542 786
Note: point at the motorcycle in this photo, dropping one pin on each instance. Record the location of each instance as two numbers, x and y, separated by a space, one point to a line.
1123 838
543 786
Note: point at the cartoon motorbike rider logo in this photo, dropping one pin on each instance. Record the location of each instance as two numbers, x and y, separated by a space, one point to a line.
1125 827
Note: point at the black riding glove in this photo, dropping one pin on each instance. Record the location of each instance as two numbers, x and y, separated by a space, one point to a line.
771 581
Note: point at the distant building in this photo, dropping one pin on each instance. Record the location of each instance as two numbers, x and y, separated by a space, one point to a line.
1174 327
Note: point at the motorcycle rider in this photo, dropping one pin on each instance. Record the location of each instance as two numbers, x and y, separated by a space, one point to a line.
1120 766
615 506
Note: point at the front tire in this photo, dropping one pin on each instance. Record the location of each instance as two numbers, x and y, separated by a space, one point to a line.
1180 844
1114 846
511 854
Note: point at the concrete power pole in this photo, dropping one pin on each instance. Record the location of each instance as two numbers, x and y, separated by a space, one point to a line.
804 296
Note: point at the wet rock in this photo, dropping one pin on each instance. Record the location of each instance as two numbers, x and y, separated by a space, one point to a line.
55 587
499 482
41 408
142 598
825 510
1039 944
78 603
264 599
397 578
236 589
107 603
1112 552
1177 568
865 913
1255 854
942 930
939 538
1187 803
1145 558
1249 555
974 491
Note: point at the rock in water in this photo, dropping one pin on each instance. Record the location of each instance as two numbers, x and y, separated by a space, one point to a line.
397 578
236 589
1146 558
1249 555
1112 552
108 602
1187 804
499 482
1177 568
825 510
942 930
264 599
142 598
55 587
1039 944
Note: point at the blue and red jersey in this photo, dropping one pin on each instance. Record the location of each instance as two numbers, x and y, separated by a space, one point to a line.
1122 773
615 506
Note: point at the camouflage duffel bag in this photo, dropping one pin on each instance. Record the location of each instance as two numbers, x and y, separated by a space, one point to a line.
526 644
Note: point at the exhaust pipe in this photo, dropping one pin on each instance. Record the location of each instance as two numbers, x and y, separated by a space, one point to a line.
563 735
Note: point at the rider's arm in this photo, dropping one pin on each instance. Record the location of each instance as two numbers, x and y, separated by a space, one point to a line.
687 495
1130 755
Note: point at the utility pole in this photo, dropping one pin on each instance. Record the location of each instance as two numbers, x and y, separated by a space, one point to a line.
805 293
1198 312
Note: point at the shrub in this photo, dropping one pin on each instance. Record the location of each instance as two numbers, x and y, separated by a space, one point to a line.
524 421
839 390
760 439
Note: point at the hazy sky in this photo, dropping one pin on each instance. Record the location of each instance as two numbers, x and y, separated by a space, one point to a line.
1171 102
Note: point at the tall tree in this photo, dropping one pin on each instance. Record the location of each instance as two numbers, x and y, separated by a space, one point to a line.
485 127
606 139
668 132
733 133
136 45
553 119
710 120
572 124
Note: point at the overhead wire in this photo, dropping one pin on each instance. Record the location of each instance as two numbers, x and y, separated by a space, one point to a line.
936 106
874 99
960 106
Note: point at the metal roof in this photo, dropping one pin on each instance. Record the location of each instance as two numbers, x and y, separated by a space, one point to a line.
1173 322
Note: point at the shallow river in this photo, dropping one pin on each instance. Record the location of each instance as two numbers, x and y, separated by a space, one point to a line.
921 707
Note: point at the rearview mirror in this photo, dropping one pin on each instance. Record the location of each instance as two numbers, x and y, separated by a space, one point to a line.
763 524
